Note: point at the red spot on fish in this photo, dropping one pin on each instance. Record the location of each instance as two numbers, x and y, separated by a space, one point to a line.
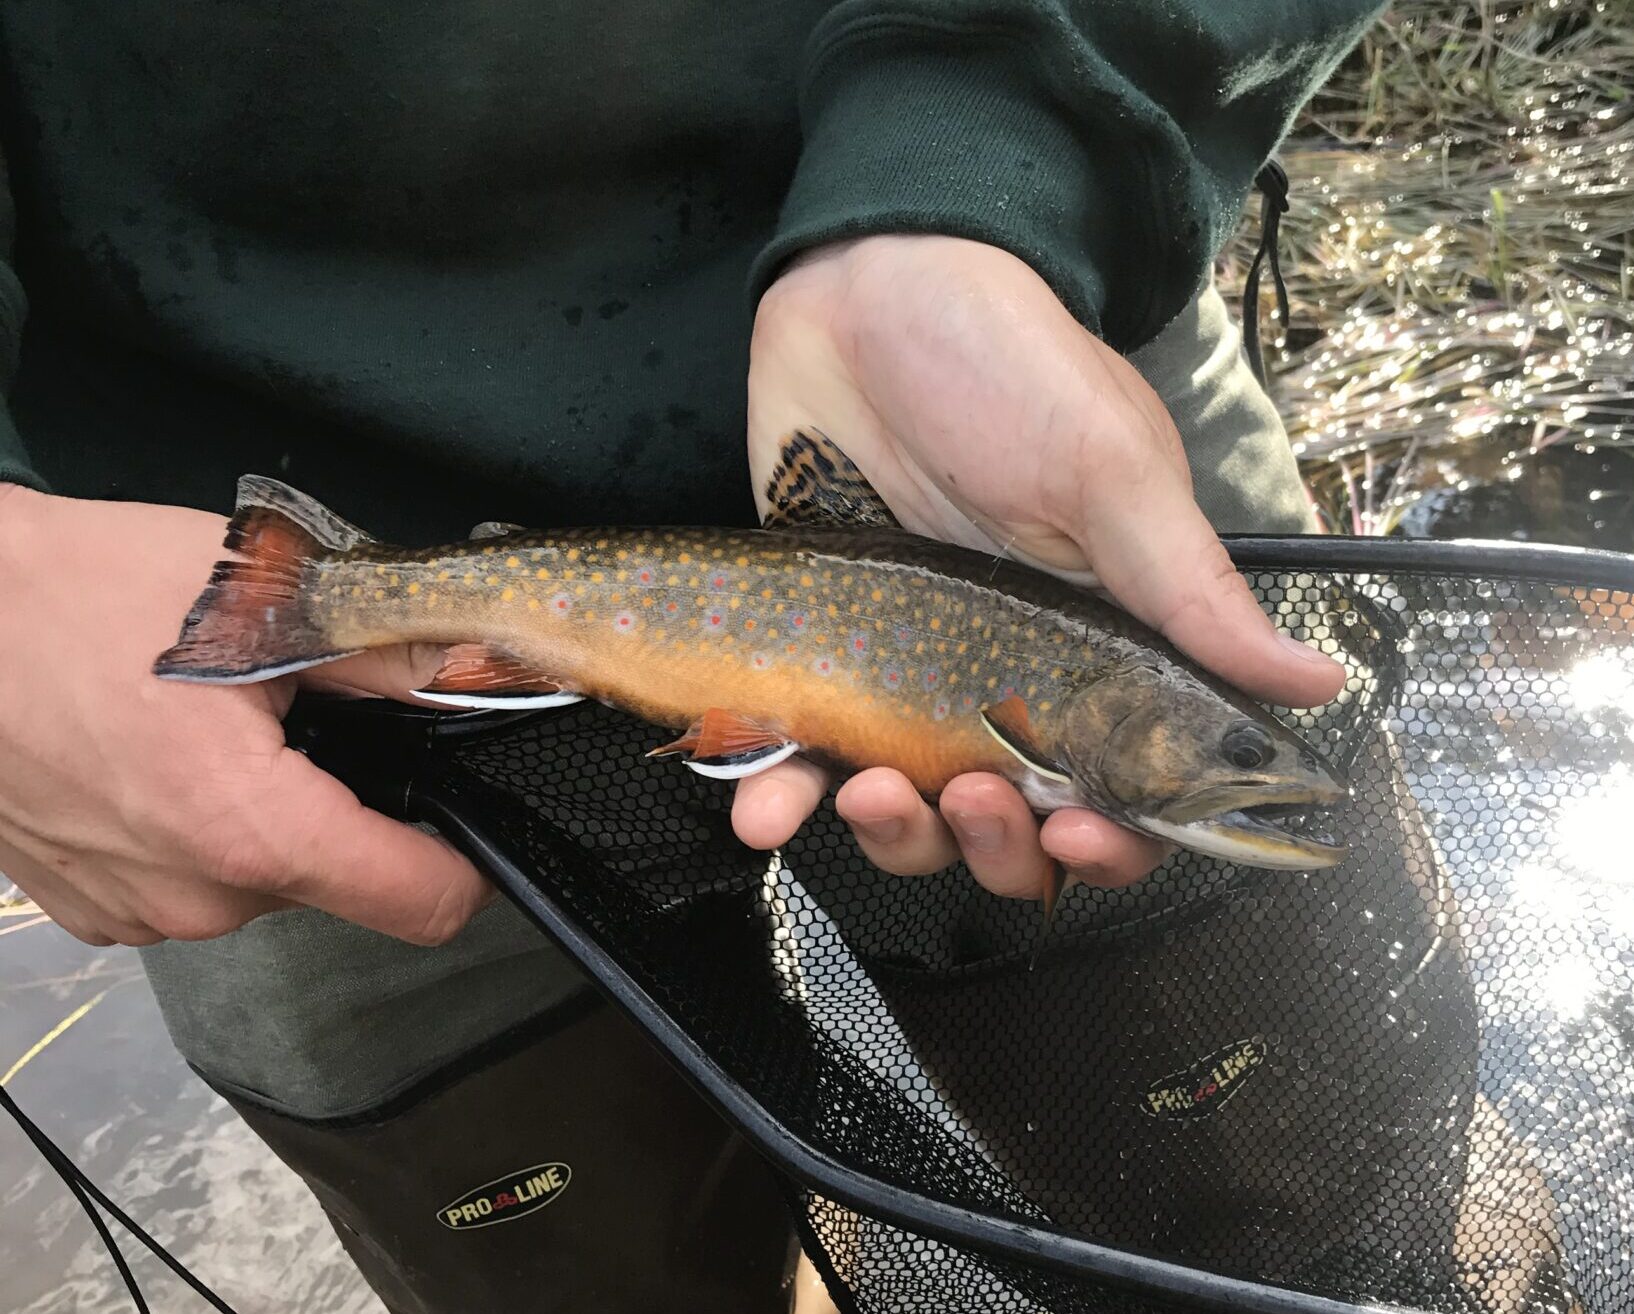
646 577
941 711
624 621
715 619
562 603
670 606
893 677
797 620
823 666
719 581
859 643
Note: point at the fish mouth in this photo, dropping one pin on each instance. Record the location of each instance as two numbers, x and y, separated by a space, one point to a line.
1287 832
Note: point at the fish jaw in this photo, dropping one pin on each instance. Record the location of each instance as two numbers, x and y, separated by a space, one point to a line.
1241 825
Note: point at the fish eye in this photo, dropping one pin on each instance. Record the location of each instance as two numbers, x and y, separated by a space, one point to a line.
1246 746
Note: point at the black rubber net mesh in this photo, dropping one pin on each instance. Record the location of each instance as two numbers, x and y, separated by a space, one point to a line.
1406 1080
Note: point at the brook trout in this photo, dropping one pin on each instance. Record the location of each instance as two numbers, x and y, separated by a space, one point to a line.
832 632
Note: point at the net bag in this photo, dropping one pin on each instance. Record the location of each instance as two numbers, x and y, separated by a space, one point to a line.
1404 1082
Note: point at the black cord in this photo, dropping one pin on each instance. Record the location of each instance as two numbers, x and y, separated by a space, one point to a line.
64 1169
85 1191
1272 181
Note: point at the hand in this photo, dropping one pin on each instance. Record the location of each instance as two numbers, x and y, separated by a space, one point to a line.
132 809
985 415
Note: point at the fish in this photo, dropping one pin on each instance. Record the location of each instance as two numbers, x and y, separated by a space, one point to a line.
831 632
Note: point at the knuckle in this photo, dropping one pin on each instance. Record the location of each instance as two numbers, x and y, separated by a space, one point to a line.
446 919
205 922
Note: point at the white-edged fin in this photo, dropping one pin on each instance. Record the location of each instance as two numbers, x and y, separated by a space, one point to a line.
743 764
509 702
1031 761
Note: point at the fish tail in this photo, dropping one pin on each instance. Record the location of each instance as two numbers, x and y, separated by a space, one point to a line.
252 622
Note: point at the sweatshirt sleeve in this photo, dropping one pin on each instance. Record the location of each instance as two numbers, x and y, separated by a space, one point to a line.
14 465
1108 143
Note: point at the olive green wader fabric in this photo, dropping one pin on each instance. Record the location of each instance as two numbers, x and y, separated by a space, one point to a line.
319 1018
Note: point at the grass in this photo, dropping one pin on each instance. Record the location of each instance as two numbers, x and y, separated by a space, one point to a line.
1460 253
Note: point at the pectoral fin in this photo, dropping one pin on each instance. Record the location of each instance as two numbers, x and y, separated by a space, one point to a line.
726 746
815 483
477 675
1008 723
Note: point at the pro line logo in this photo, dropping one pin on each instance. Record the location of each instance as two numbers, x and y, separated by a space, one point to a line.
506 1198
1202 1088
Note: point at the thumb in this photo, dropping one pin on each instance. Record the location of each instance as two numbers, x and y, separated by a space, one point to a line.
362 866
1182 583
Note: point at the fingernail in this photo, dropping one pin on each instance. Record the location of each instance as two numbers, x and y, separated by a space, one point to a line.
977 831
1303 650
881 830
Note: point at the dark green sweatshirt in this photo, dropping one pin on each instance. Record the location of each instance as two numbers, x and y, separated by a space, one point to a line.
439 262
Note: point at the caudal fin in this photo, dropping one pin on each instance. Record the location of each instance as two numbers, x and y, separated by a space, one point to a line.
251 622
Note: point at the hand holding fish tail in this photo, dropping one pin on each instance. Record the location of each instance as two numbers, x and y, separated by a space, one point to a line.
132 810
985 415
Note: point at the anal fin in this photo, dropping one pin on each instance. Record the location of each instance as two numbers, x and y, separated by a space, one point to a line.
482 676
726 746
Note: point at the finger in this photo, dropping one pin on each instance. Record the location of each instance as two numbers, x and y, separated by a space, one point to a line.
1097 851
71 910
769 807
388 672
896 828
1182 582
331 852
997 833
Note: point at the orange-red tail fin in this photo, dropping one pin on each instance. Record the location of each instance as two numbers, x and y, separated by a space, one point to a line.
252 622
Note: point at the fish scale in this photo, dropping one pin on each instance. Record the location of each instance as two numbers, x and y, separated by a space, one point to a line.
812 632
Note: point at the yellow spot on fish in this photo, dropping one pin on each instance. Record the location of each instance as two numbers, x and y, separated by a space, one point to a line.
513 562
489 550
832 610
596 577
541 573
492 579
578 590
413 589
685 558
572 553
442 575
380 595
805 581
743 561
622 555
936 622
765 593
1044 706
734 603
508 595
357 590
878 595
533 604
394 580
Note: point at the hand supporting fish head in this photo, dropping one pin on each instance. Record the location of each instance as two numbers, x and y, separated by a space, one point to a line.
1168 753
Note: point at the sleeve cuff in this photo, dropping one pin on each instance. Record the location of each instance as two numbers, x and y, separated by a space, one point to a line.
955 138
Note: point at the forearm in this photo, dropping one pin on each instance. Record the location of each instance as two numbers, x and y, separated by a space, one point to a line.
1108 143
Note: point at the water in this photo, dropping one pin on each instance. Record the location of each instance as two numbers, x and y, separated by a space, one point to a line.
117 1098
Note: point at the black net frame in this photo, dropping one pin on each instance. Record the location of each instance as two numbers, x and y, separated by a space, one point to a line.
1407 1082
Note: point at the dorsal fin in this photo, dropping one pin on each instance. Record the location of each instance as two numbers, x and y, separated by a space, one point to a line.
310 514
495 529
815 483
